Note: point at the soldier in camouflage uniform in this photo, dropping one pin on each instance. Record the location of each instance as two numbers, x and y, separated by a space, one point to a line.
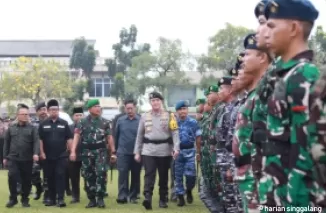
207 195
288 159
224 158
185 163
93 132
255 64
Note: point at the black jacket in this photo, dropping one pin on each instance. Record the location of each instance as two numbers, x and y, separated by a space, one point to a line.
21 142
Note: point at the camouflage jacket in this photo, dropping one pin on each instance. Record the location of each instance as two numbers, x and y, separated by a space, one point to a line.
93 132
214 119
224 123
243 131
233 119
287 116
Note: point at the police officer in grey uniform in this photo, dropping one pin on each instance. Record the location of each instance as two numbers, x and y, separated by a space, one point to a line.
157 139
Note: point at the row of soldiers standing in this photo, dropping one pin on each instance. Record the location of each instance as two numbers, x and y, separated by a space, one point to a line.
263 128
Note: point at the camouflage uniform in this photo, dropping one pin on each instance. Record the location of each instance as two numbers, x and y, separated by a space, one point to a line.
317 143
93 132
185 163
288 159
242 137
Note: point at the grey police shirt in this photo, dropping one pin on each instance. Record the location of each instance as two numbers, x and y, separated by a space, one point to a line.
159 131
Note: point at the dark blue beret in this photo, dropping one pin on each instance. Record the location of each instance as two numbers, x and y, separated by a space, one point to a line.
260 8
181 104
250 42
39 106
154 94
225 81
301 10
235 71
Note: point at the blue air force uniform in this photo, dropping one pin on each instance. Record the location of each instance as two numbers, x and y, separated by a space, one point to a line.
185 164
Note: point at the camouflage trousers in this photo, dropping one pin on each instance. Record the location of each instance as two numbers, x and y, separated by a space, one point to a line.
247 188
209 200
185 165
231 198
94 172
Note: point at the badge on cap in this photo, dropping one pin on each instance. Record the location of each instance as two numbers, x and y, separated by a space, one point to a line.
250 41
221 81
240 58
211 88
151 95
273 7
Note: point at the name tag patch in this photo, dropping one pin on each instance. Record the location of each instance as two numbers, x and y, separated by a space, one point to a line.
46 127
61 126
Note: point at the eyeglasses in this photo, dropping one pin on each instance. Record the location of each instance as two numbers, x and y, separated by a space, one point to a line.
24 114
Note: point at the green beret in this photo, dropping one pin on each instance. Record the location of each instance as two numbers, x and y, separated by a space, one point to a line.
213 88
300 10
206 92
200 101
92 102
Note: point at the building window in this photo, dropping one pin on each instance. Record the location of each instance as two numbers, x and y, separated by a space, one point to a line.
177 93
101 87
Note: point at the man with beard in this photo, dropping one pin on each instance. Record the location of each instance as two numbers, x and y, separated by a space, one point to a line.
157 139
255 63
287 151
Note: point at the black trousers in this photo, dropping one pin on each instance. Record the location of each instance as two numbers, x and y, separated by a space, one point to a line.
1 152
151 164
45 181
67 179
20 170
126 164
74 176
55 171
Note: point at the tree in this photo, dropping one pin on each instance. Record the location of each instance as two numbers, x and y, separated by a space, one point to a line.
124 51
159 69
317 42
78 89
207 81
83 58
223 48
36 79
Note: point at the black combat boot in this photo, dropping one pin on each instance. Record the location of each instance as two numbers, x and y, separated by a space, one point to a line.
190 198
92 203
61 203
100 203
11 203
181 200
147 203
39 191
173 197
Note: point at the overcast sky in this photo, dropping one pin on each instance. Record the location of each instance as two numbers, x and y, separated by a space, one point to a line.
192 21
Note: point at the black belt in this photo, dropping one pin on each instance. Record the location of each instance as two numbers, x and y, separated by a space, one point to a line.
187 146
169 141
259 136
220 145
272 147
93 146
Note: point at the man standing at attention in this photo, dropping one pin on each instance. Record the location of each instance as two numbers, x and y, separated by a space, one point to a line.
94 131
157 139
125 138
190 147
55 135
21 147
74 166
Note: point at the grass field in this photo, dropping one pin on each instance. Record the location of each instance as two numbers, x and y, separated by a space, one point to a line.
112 206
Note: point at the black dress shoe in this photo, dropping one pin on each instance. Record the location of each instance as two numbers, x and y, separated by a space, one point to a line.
11 203
92 203
100 203
122 201
38 194
61 203
163 204
49 203
74 200
25 204
147 204
190 198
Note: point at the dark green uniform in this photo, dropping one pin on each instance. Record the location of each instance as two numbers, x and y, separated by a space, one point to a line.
93 132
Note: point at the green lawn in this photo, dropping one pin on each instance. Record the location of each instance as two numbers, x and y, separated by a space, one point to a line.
112 206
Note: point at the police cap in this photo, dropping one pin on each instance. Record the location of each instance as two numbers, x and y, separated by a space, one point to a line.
301 10
260 8
154 94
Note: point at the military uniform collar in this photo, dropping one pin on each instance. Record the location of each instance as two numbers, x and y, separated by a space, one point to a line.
307 55
89 117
